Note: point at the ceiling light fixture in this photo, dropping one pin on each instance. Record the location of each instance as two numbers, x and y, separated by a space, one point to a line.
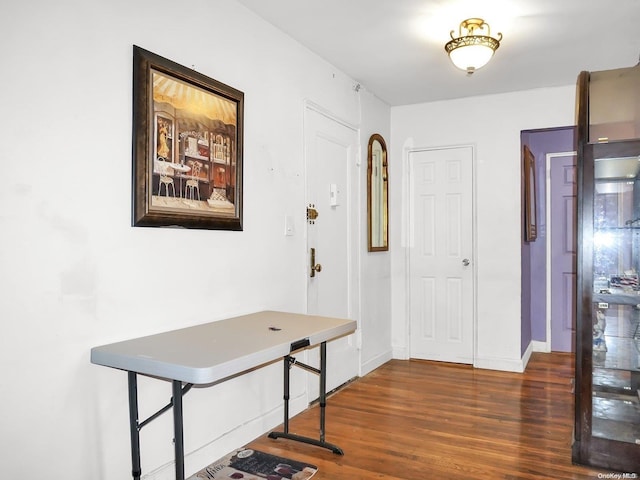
473 49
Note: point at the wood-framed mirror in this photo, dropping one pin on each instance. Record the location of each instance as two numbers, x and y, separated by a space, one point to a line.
377 194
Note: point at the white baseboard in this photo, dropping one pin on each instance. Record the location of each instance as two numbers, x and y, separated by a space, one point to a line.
400 352
227 442
526 356
488 363
540 346
370 365
505 364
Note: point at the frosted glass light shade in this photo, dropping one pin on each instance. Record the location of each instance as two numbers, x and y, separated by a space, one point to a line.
474 46
471 57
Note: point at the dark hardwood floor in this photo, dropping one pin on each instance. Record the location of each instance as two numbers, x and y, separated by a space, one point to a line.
417 420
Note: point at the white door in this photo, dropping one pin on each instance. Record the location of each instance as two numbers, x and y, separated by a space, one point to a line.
330 153
441 254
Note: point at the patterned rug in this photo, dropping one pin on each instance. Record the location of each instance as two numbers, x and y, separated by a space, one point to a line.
247 464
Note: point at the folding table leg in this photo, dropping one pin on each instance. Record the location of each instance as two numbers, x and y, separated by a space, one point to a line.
287 368
322 372
133 425
323 387
178 429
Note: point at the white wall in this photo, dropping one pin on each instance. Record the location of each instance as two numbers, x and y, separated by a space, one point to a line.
492 124
75 274
376 266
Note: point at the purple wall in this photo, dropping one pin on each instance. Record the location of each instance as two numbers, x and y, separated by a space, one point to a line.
534 254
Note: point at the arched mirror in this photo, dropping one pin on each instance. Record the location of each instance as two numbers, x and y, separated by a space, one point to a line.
378 194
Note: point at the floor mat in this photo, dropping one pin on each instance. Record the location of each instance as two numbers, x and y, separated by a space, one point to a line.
247 464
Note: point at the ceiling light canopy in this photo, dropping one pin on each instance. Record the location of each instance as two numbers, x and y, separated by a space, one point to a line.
474 46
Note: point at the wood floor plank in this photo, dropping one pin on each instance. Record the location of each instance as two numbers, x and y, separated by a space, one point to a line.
415 420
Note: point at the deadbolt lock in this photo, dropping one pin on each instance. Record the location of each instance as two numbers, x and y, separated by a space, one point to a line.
312 213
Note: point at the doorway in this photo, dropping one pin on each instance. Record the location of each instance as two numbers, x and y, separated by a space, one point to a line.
548 262
331 148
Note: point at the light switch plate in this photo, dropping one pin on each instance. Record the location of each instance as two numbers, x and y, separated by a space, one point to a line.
289 229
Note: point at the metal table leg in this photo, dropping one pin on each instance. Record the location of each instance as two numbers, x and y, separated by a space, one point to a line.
178 428
323 387
322 372
133 425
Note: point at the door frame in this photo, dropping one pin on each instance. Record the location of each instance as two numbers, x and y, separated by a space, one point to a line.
408 232
354 232
546 345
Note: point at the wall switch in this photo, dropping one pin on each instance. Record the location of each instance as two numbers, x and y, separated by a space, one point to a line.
289 230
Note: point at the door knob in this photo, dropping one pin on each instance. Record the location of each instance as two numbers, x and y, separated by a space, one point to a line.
465 262
315 267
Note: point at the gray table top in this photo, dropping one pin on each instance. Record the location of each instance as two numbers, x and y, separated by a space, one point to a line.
213 351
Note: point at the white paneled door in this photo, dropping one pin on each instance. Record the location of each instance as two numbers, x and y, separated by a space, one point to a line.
441 254
330 152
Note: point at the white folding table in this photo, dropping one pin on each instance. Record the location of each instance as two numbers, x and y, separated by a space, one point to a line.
209 353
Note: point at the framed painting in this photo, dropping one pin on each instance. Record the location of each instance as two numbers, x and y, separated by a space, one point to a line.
530 201
187 147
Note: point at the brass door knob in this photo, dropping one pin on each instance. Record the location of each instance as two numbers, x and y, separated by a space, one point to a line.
315 267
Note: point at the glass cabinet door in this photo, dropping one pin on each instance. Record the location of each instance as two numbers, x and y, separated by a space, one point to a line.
615 244
615 411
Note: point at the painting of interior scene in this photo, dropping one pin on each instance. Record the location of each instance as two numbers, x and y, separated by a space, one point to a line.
195 142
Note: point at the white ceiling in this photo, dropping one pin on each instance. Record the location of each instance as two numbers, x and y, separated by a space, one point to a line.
395 48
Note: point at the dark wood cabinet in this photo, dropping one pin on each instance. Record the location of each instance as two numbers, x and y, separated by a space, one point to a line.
607 408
